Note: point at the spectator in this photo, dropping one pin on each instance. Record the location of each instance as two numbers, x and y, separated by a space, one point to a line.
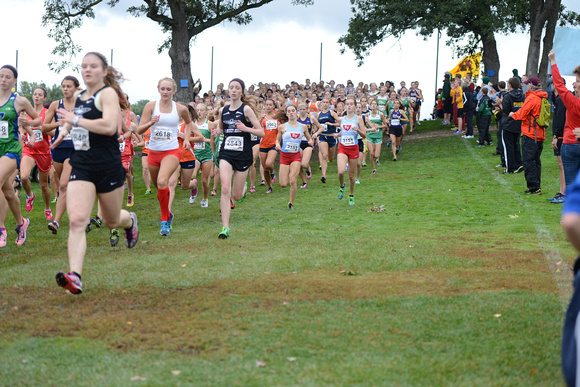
469 107
484 114
512 101
447 102
456 94
498 118
557 136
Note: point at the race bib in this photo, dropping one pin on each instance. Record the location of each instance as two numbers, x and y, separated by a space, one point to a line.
292 147
395 122
161 134
37 135
122 146
347 141
271 125
253 137
146 144
80 139
325 127
3 129
199 145
234 143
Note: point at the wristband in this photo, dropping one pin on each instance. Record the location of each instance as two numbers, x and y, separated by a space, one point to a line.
75 120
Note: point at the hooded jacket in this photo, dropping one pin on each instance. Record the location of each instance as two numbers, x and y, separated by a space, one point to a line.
513 100
529 113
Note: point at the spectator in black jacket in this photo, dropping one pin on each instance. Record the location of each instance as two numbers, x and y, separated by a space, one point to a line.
447 101
512 101
558 123
468 108
498 118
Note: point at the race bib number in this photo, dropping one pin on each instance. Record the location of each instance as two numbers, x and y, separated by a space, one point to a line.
122 146
325 127
382 107
234 143
146 144
161 135
253 137
80 139
395 122
271 125
347 141
199 145
291 147
3 129
37 135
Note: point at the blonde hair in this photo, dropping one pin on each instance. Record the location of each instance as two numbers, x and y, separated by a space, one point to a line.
167 79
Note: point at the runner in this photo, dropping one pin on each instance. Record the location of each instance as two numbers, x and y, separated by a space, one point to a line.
203 151
11 105
162 117
375 135
144 164
238 122
361 141
417 97
96 171
305 145
350 126
288 142
39 155
61 154
382 99
268 151
406 103
328 121
396 118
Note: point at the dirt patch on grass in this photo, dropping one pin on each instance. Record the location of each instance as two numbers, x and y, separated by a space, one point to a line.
199 320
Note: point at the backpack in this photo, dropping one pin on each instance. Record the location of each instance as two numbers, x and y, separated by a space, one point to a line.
543 119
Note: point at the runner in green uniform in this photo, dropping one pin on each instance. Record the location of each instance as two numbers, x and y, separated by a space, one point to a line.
375 135
382 99
203 151
11 105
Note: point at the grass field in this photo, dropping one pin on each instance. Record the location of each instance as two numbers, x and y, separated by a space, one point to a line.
461 280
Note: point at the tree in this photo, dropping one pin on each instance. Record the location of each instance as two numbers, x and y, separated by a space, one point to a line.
181 19
470 25
138 107
26 89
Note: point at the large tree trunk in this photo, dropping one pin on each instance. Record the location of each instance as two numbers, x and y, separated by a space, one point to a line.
536 29
180 54
490 57
549 39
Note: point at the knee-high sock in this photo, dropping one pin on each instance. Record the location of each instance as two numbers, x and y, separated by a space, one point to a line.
163 196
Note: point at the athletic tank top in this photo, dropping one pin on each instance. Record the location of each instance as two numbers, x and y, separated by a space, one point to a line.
349 135
67 141
146 140
236 144
164 132
9 127
376 119
292 138
41 140
184 154
324 119
413 93
390 106
201 146
308 124
382 102
92 150
396 120
270 127
126 147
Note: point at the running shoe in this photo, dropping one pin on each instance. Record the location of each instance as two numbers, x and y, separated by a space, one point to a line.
351 200
245 192
374 172
400 148
263 182
204 204
55 199
130 201
3 236
418 122
394 158
69 281
490 143
479 145
290 206
273 176
269 190
357 181
309 173
347 167
364 163
341 192
558 200
252 188
21 231
30 202
97 221
53 227
170 221
224 234
389 144
114 237
132 233
48 214
213 192
89 228
304 185
232 204
192 198
147 192
18 183
555 196
323 179
377 162
533 191
165 230
520 169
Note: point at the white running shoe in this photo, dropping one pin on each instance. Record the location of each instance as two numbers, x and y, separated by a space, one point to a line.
204 204
192 199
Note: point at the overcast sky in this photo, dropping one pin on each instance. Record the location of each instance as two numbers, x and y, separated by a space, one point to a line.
282 44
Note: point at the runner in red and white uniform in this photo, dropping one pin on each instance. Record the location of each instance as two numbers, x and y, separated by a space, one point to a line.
144 166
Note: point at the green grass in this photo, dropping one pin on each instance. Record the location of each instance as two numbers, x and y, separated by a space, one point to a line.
460 281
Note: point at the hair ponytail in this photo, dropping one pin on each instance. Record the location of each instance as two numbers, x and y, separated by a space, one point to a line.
112 79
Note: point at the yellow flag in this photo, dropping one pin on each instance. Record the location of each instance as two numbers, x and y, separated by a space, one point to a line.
469 64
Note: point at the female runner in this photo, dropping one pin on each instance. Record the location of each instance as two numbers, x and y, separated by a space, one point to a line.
288 142
96 163
144 165
351 126
203 151
61 154
238 122
162 117
417 96
382 99
268 151
305 145
328 121
11 105
375 136
406 104
38 154
396 119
